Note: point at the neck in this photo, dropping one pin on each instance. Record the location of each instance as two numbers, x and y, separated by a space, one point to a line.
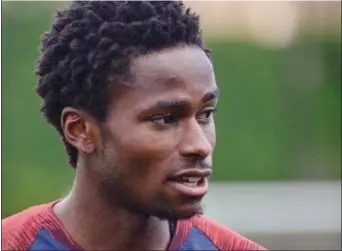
95 224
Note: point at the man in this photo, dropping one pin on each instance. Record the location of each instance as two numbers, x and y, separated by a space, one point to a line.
130 88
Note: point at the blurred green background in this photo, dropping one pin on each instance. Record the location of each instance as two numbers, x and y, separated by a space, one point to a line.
279 116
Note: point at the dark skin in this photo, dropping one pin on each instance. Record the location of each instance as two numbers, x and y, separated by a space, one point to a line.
160 124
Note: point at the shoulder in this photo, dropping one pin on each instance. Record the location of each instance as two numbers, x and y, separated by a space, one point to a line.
19 230
223 237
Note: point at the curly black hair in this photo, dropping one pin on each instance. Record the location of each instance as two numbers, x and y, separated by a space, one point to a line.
91 40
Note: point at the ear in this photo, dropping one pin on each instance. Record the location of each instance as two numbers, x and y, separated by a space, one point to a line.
78 129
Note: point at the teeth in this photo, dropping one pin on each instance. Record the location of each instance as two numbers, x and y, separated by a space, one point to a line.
194 179
191 181
190 184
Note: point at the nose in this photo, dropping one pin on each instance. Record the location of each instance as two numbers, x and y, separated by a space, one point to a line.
195 143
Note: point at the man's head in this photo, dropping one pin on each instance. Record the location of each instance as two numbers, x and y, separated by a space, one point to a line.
131 89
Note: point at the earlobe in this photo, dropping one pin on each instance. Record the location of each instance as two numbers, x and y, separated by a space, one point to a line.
76 131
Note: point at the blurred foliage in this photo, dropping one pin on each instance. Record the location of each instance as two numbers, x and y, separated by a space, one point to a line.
279 115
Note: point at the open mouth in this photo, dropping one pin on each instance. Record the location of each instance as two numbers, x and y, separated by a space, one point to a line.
190 181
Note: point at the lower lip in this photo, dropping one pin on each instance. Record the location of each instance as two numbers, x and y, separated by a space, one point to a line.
199 190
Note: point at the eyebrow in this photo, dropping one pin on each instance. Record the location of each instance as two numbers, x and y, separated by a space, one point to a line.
211 95
173 104
182 104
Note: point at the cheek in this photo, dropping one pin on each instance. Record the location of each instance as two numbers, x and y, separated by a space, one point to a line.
148 145
210 134
141 156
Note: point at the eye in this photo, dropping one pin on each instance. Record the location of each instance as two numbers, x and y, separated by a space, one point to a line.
164 119
206 114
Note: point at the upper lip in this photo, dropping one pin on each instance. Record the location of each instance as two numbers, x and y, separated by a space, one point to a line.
201 173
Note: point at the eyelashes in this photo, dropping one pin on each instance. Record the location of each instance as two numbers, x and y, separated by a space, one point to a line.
167 119
163 119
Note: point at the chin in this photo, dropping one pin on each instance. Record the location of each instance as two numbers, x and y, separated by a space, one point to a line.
184 211
187 211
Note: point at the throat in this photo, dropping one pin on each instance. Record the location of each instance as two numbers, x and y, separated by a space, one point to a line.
94 228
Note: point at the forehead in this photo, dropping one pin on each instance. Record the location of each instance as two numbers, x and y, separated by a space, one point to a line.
181 72
182 63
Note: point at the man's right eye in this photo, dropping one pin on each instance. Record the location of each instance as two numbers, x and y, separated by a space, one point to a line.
163 119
